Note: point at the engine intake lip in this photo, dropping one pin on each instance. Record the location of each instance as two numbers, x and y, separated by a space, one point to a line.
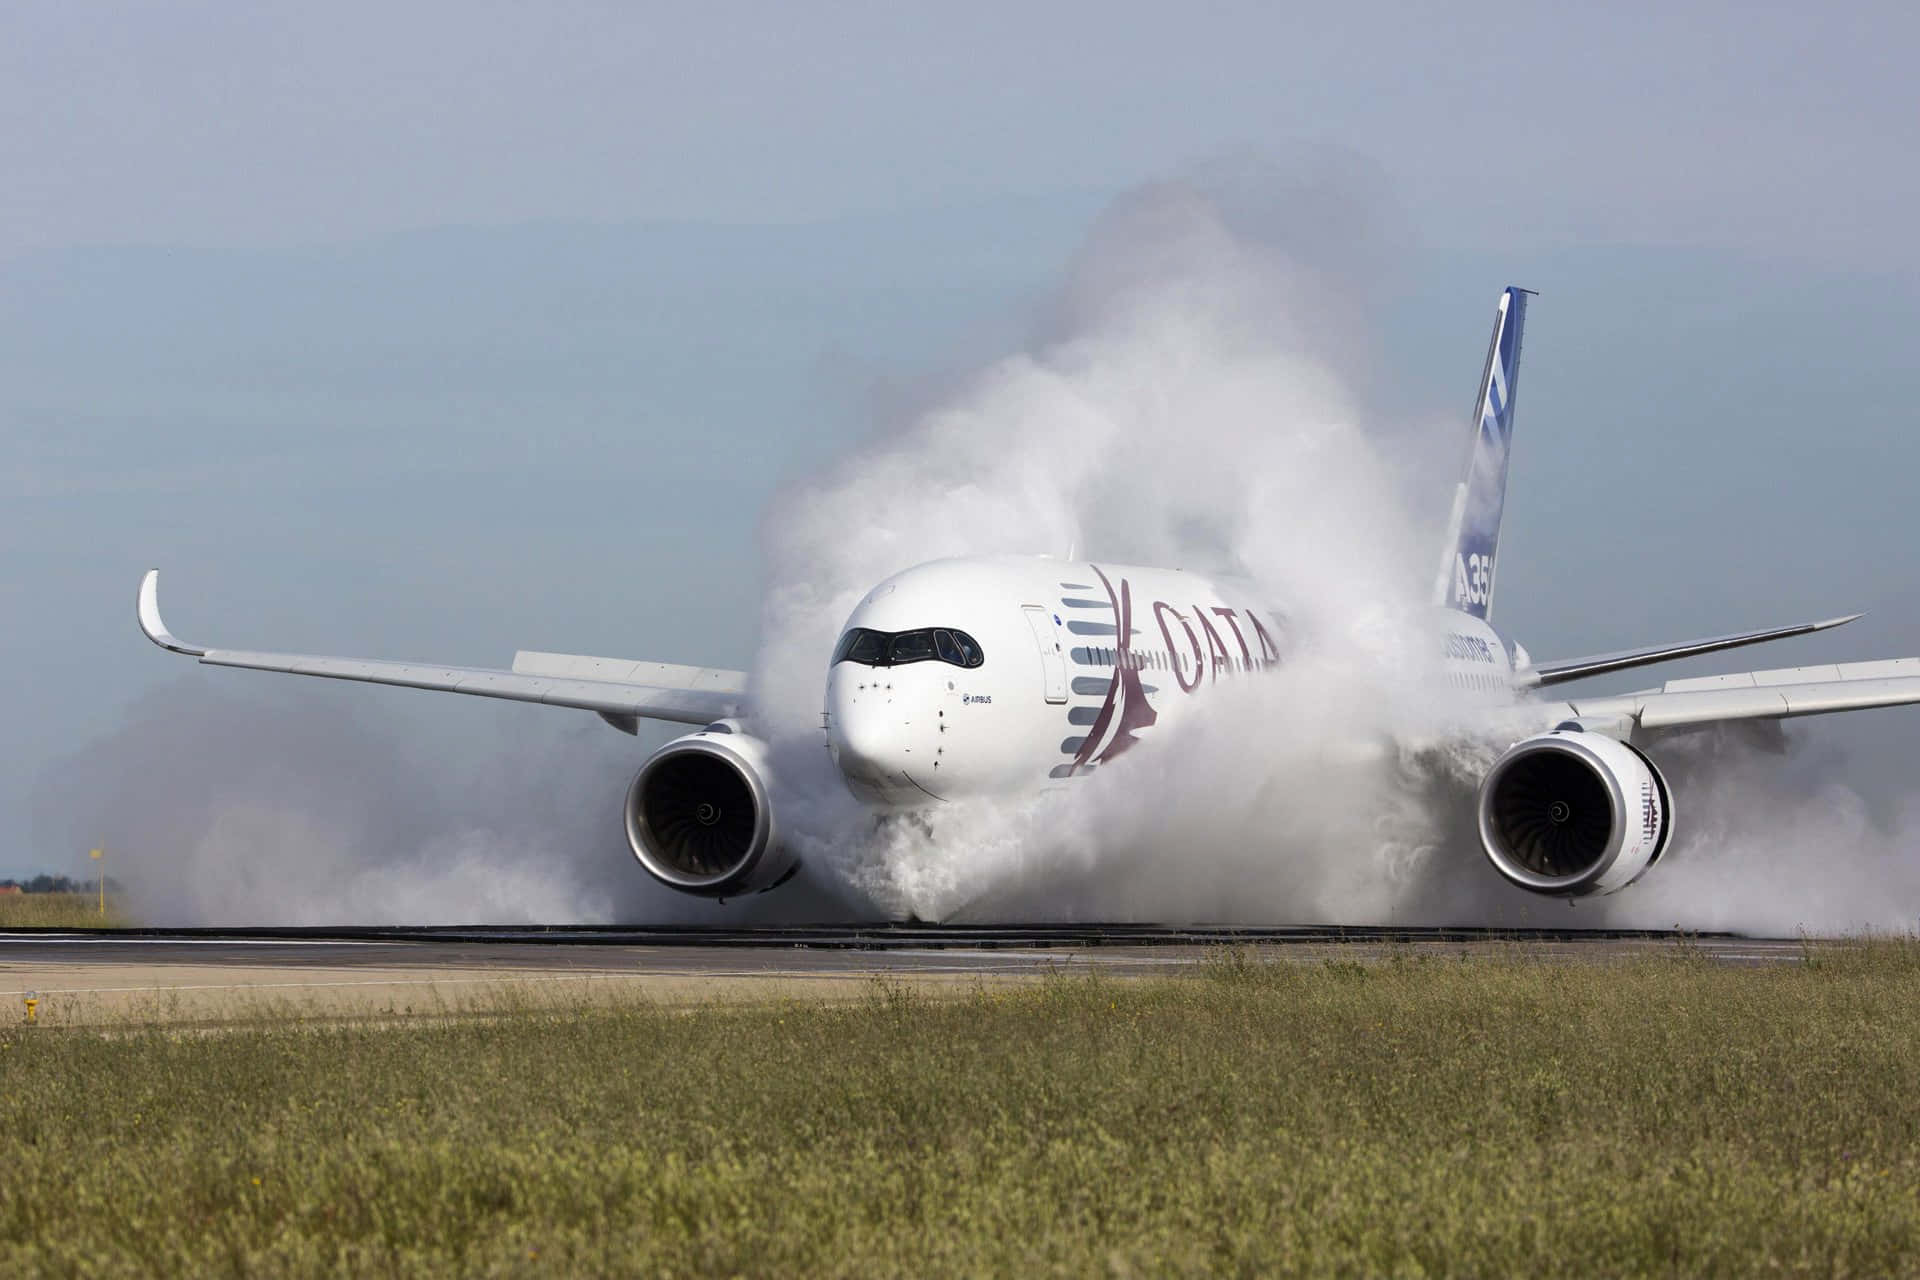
1551 816
698 818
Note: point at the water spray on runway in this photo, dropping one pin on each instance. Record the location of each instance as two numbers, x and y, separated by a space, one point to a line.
1193 402
1774 840
1190 403
1191 398
285 803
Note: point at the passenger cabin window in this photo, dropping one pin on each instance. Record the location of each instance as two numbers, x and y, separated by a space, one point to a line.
872 648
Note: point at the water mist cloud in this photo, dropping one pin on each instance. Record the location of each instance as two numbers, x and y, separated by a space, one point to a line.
278 803
1191 401
1192 397
1188 403
1772 839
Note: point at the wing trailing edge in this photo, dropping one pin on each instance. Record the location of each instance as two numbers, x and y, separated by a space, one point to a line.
691 695
1778 694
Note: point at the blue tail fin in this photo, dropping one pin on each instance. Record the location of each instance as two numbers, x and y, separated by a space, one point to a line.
1473 535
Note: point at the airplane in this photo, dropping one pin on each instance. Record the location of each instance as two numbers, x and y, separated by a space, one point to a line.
1009 675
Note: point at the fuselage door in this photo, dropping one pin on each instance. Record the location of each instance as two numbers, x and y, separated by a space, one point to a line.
1053 663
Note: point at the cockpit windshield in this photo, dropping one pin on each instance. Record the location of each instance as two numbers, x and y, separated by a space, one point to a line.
869 648
911 646
897 648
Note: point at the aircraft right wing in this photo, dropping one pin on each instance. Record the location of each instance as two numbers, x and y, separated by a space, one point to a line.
622 692
1750 695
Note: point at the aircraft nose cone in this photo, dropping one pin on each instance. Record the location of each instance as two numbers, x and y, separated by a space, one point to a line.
867 742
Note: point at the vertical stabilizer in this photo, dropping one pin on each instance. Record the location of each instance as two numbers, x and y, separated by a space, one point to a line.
1466 574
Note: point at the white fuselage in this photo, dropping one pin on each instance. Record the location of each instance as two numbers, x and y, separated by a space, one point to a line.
1049 669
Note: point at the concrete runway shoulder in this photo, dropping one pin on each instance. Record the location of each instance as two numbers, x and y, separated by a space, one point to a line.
224 976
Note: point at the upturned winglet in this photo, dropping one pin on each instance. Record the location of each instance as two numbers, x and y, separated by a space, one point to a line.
150 622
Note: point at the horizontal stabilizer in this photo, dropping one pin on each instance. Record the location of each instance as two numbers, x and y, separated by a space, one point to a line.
1547 673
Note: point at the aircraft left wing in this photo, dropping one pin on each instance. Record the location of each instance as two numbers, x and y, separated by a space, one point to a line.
1546 673
622 692
1753 695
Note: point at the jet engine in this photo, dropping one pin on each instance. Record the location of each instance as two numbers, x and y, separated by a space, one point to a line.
1571 813
699 818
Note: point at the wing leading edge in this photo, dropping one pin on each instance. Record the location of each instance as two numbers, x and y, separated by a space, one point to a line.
621 692
1546 673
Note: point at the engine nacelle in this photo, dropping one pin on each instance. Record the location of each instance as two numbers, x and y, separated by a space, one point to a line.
699 817
1572 813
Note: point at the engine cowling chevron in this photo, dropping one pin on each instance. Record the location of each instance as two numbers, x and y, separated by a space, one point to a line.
1571 813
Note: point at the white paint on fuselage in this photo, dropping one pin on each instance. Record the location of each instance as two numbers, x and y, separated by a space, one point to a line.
908 736
1473 656
914 735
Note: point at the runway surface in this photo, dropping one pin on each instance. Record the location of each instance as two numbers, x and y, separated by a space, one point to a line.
223 975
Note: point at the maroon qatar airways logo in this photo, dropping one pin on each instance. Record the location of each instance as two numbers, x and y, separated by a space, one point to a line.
1192 664
1125 710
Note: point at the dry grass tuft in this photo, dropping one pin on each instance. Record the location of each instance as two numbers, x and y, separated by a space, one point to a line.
58 911
1476 1116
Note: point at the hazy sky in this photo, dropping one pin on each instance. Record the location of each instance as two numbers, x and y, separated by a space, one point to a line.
1759 126
440 330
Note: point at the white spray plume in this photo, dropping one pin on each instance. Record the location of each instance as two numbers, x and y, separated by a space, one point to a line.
1772 839
1188 406
286 804
1191 403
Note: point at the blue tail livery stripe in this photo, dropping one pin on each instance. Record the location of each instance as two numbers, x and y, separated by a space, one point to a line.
1467 574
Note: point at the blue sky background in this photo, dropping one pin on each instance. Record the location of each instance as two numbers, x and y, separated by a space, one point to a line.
446 331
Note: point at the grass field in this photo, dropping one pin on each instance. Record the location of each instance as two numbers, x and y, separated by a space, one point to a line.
1490 1116
58 911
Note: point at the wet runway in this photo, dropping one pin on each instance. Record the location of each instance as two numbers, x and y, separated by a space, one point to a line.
87 976
827 939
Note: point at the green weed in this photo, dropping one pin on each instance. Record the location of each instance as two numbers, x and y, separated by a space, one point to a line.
1478 1116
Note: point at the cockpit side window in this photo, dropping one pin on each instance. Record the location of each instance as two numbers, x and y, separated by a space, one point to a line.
970 654
893 649
869 648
